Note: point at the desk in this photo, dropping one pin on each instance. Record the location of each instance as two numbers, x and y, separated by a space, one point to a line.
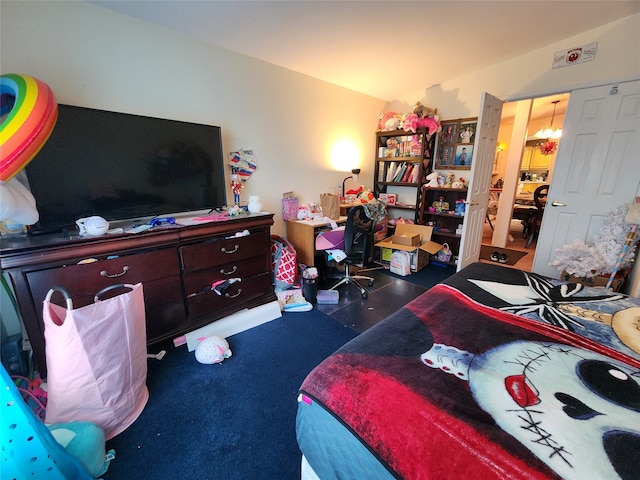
345 207
302 235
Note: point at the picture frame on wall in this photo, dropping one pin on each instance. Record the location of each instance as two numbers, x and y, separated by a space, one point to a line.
449 133
455 148
464 156
467 132
446 156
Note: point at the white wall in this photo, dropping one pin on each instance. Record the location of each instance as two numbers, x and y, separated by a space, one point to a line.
97 58
532 75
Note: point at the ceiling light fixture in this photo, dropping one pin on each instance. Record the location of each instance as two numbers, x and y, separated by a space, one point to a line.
548 132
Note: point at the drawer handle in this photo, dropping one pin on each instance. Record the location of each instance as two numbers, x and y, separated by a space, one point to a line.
235 249
104 273
233 296
235 268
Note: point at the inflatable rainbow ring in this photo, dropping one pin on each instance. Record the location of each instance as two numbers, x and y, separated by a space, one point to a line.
33 112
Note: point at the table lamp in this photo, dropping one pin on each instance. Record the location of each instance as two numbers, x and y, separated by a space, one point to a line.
354 176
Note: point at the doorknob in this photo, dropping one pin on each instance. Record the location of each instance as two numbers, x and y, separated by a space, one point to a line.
471 204
556 203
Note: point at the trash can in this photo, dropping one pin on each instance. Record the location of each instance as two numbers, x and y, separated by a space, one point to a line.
310 284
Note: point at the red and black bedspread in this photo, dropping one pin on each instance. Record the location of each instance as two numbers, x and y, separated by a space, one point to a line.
495 374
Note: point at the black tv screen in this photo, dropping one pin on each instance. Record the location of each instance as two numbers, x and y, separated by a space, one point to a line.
121 166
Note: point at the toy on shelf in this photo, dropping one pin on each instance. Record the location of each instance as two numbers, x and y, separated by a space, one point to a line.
433 180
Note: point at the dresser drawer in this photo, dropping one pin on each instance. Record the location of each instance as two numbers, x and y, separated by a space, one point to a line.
164 307
234 298
85 280
223 251
196 282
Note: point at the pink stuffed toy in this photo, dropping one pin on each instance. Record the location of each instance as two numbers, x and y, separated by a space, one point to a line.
410 123
431 123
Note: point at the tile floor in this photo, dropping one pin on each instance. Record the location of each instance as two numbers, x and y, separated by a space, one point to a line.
388 295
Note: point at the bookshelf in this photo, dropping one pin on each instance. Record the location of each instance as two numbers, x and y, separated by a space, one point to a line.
403 159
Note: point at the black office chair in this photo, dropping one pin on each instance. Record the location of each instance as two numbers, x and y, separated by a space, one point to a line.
532 227
358 246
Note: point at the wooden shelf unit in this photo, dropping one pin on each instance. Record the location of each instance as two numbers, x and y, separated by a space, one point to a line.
414 151
445 224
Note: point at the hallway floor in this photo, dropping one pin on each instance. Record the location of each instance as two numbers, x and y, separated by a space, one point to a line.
526 262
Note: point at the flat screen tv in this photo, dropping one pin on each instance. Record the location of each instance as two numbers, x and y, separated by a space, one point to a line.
121 166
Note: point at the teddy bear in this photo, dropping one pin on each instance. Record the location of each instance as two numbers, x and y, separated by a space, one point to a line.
449 179
423 111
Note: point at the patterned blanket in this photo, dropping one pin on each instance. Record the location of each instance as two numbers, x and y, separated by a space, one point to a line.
449 387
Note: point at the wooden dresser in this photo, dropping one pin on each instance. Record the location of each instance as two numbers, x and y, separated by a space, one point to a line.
177 266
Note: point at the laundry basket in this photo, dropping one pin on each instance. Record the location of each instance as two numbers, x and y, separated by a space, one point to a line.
96 359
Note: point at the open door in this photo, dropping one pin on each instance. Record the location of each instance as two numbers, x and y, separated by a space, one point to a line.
480 180
596 168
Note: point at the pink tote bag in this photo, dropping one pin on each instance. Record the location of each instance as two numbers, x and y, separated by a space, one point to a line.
97 360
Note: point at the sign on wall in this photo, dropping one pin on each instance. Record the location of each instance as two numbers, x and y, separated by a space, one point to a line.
575 55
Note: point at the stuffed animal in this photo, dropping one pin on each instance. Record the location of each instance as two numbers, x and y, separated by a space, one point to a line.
423 111
212 350
450 178
431 123
388 121
304 212
433 180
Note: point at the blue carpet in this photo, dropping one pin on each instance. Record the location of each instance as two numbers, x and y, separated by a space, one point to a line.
234 420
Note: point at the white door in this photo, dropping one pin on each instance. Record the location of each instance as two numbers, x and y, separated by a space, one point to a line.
484 151
597 167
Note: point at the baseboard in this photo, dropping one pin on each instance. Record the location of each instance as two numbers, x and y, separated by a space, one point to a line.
232 324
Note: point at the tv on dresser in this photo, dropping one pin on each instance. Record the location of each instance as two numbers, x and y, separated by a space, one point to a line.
122 166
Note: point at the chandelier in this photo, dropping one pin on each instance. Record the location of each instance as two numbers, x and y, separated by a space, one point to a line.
549 134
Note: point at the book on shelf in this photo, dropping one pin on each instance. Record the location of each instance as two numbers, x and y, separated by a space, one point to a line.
391 170
403 168
415 177
408 173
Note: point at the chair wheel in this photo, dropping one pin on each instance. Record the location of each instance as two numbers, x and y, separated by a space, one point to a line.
364 295
371 283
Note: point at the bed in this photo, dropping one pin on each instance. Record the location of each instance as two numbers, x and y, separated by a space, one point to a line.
494 373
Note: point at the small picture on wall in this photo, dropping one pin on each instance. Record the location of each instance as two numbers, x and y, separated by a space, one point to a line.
449 133
467 132
463 156
445 156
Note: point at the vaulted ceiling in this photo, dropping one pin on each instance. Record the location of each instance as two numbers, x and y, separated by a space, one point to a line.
386 49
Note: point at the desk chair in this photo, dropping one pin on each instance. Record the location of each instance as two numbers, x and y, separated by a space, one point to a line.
532 227
492 207
358 247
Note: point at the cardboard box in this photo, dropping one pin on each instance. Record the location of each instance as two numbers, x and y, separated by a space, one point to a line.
599 281
409 240
419 253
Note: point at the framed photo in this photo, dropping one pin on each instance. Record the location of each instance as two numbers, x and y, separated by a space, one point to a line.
445 156
467 132
464 154
449 133
455 147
